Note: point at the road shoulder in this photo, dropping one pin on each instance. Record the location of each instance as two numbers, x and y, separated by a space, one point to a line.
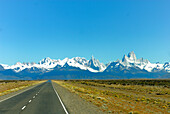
75 104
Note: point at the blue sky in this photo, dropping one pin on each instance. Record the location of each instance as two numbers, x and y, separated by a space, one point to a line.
31 30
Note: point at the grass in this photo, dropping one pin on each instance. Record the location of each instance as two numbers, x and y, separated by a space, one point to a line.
8 86
123 96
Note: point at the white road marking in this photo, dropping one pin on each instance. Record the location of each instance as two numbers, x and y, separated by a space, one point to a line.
33 97
21 92
29 101
60 100
23 107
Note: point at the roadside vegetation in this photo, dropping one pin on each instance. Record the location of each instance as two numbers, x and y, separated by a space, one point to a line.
8 86
123 96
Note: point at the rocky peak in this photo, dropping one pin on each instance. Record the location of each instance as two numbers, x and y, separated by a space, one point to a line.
46 60
125 58
132 56
18 63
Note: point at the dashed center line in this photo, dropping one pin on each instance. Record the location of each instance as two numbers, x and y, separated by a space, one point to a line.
23 107
29 101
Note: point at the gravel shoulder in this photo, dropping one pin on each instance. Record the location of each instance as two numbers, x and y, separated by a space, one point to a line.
4 97
74 103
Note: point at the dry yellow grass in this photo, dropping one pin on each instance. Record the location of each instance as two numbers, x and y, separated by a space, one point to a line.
122 99
8 87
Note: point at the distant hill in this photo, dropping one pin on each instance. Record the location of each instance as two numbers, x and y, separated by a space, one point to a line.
80 68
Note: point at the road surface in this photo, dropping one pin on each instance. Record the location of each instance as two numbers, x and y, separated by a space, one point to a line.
42 99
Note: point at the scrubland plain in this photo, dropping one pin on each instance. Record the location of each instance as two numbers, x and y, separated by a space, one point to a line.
123 96
8 86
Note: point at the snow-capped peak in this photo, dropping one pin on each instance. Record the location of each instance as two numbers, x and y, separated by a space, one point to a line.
95 64
125 58
143 64
92 65
167 66
18 63
46 60
132 56
50 64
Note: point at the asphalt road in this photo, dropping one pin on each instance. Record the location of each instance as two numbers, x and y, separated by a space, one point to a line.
41 99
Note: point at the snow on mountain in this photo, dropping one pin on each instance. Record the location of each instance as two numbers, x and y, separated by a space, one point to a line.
131 61
92 65
46 63
132 56
128 62
95 64
1 68
80 63
18 66
167 66
49 64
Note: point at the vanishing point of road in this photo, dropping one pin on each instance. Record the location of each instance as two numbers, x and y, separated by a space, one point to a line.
42 99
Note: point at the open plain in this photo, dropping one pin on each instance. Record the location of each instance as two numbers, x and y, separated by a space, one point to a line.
123 96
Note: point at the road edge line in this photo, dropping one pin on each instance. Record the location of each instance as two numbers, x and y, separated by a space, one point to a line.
60 99
19 93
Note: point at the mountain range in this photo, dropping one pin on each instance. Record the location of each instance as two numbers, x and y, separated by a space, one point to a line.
81 68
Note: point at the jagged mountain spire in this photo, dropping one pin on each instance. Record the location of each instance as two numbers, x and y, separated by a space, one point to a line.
132 55
93 65
124 59
45 60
